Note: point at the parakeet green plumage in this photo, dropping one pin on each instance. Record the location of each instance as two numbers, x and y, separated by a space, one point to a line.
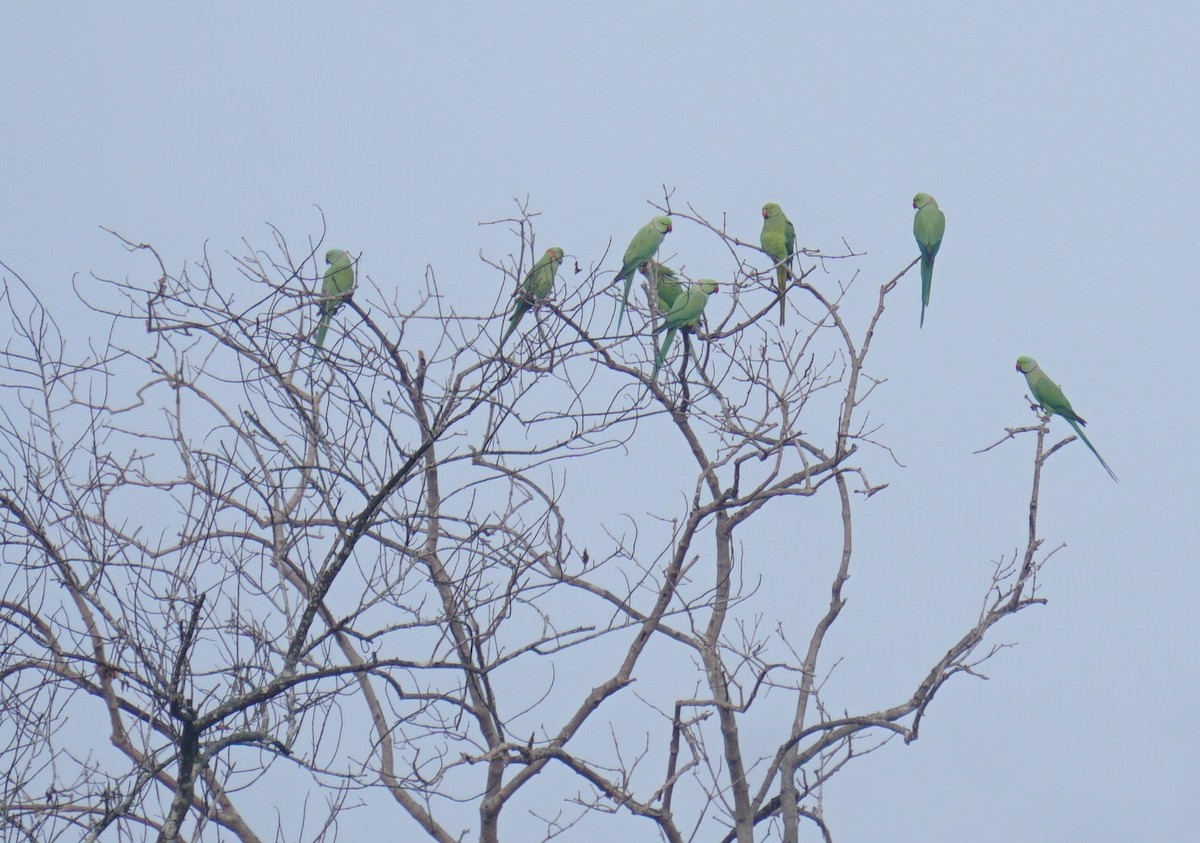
778 240
663 281
1047 393
683 315
337 285
929 224
538 284
641 248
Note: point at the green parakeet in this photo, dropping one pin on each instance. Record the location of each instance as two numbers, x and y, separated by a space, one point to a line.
683 315
929 224
1047 393
663 281
538 284
641 248
337 285
778 240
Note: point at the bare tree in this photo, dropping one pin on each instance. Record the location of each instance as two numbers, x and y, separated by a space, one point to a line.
248 595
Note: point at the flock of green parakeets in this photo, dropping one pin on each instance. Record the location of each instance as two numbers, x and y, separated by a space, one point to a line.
682 306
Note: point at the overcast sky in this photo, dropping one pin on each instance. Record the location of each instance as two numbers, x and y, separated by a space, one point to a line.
1059 138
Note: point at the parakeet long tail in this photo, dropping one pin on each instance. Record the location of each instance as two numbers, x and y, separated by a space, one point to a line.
783 281
926 284
507 332
518 312
1092 448
662 353
319 337
624 300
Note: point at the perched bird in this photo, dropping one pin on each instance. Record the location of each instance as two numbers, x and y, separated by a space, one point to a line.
337 285
641 248
778 240
929 224
683 315
538 284
663 281
1047 393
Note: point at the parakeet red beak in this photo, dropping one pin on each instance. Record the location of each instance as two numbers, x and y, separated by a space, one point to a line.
764 213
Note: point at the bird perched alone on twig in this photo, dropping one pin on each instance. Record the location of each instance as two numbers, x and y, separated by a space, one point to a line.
1047 393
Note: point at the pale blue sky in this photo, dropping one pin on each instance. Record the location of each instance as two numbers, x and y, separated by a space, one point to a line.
1059 138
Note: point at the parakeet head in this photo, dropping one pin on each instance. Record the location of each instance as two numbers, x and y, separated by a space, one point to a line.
923 199
333 254
1025 365
661 224
709 286
653 267
771 210
555 253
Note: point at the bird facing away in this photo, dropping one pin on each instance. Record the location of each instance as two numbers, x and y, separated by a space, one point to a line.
684 315
778 240
663 281
1047 393
538 284
641 248
929 224
337 285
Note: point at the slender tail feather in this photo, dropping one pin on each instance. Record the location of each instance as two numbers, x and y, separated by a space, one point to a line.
926 284
319 337
624 300
783 282
1092 448
518 312
507 332
662 353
